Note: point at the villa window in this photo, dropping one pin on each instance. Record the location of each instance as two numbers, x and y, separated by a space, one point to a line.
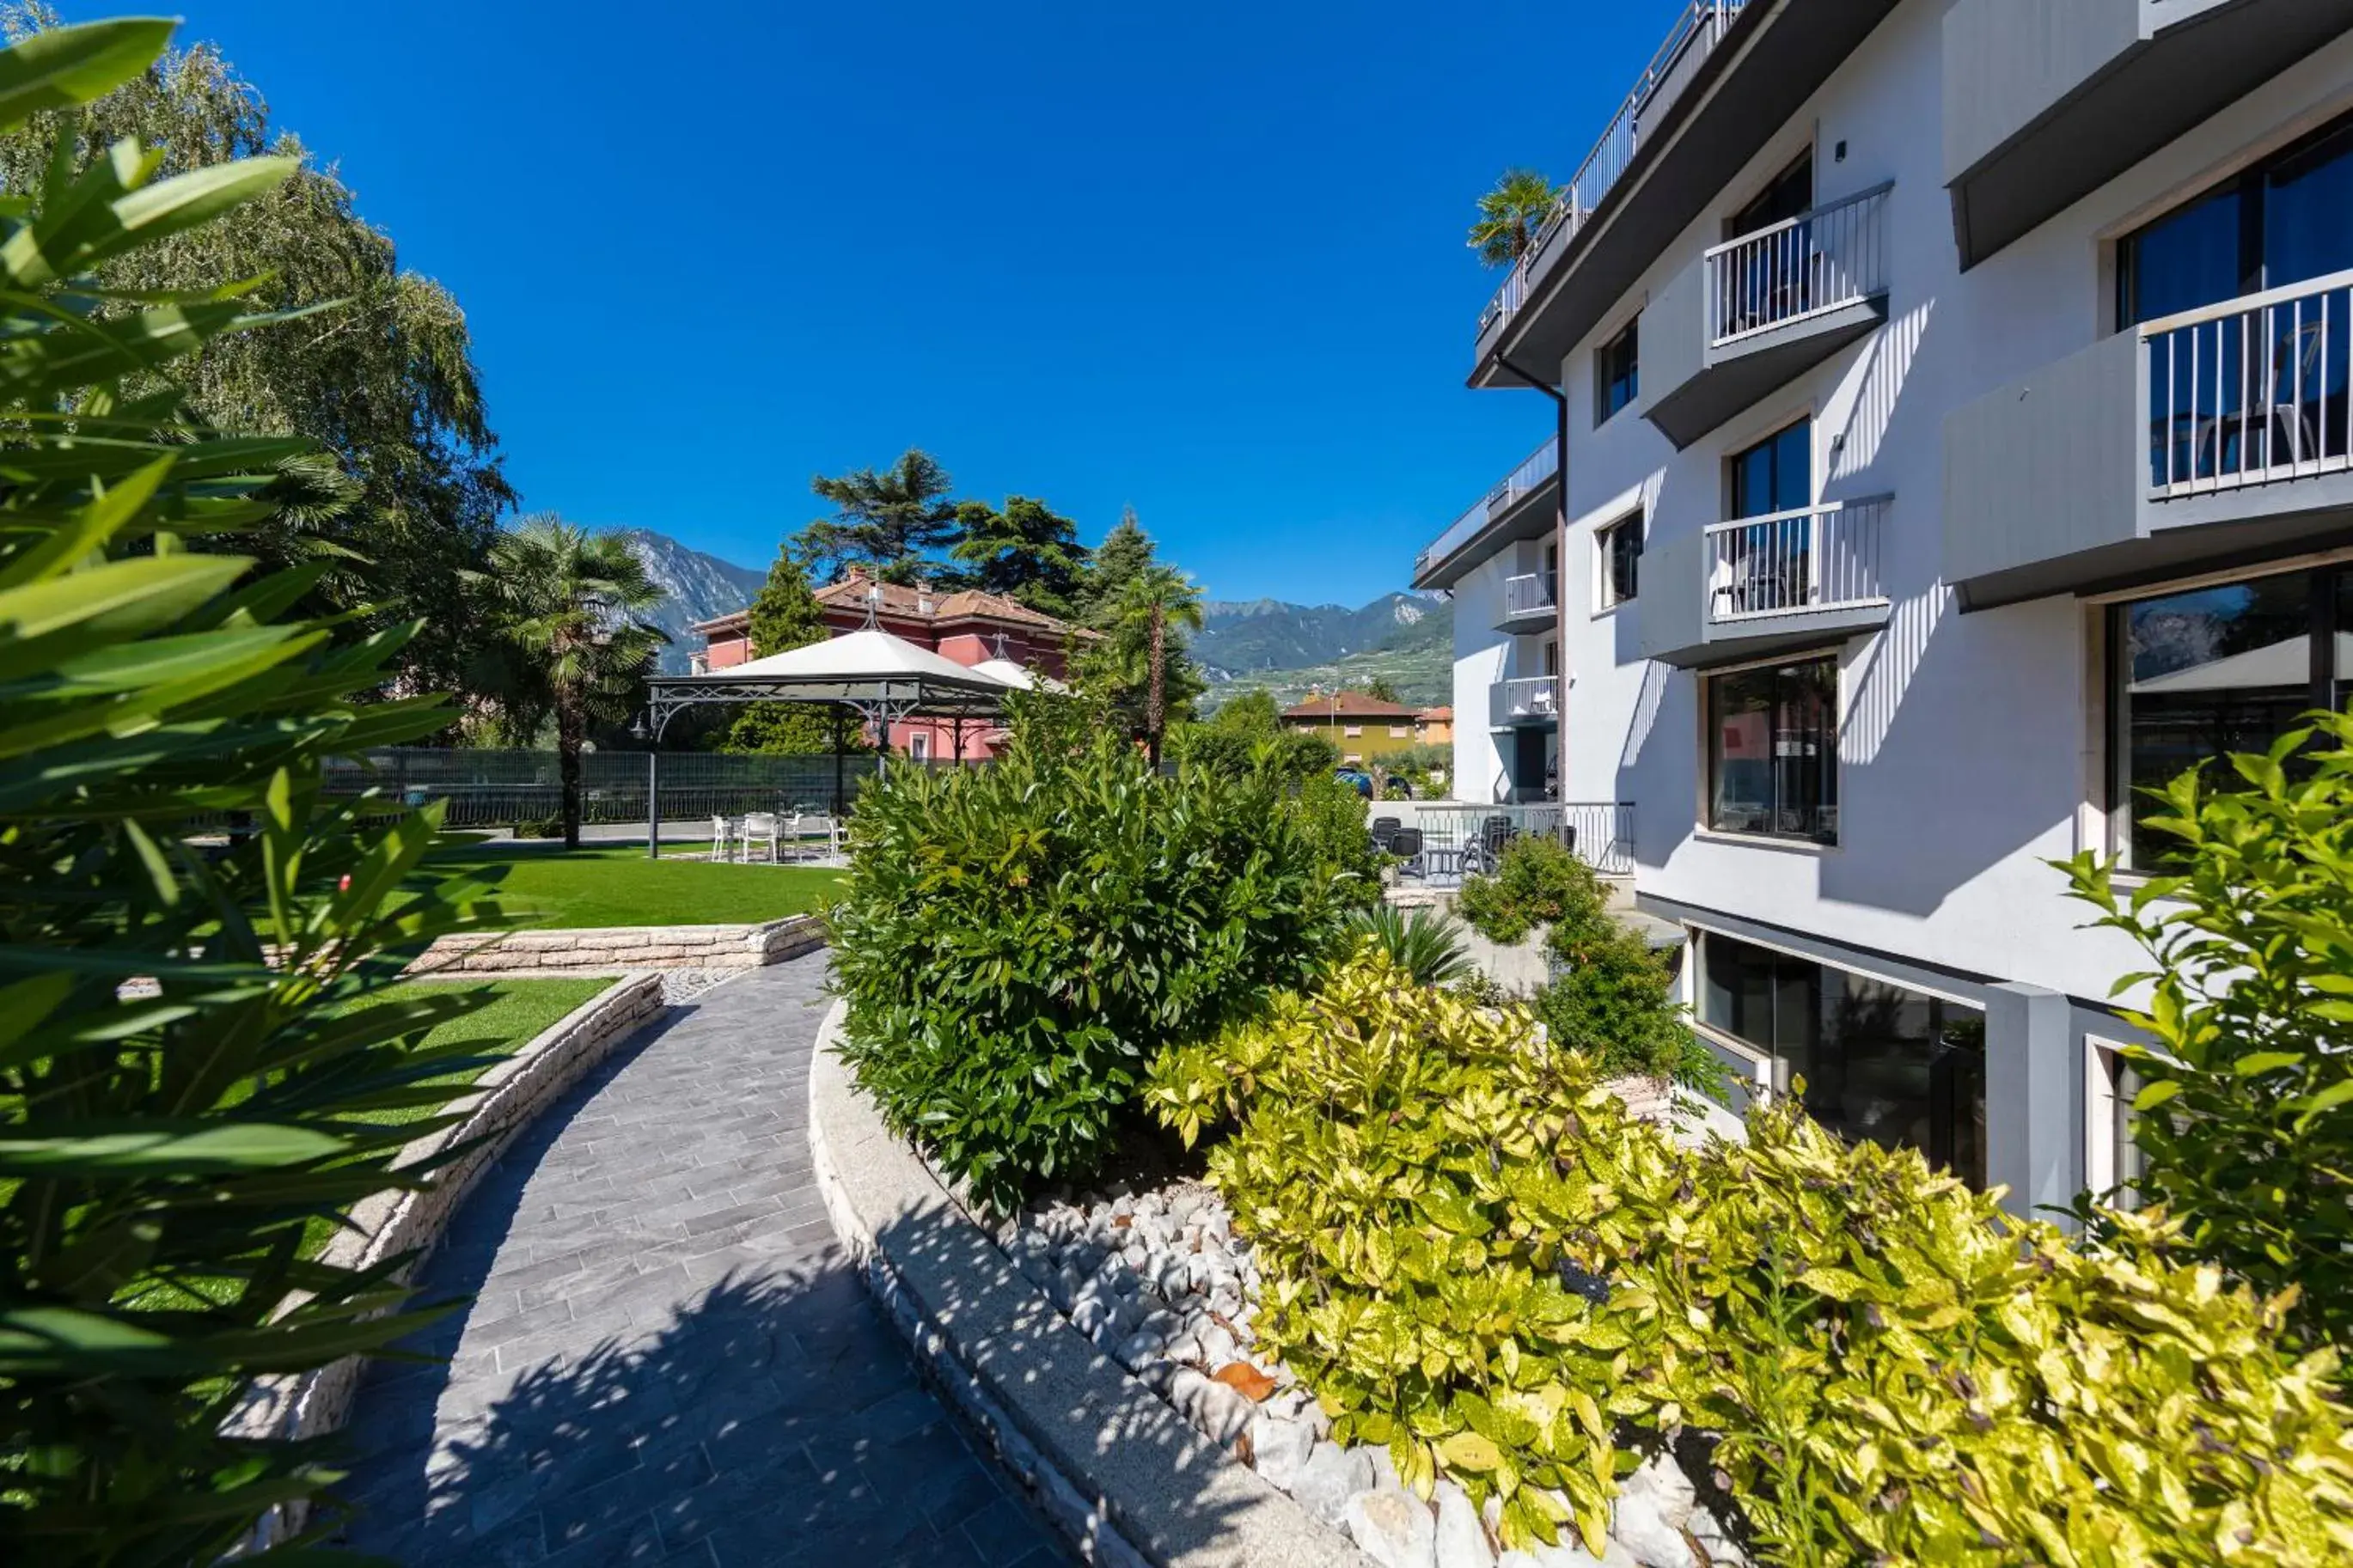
1353 731
2197 674
1620 545
1617 372
1398 732
1772 764
1882 1063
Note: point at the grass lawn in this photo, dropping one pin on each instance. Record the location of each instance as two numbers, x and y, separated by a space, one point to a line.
616 884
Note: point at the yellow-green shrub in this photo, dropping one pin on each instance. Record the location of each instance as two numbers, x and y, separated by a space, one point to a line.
1891 1368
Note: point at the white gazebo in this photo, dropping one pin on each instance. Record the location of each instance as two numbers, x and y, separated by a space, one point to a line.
880 678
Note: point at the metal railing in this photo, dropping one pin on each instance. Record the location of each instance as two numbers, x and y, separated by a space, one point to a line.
1832 257
1540 466
1465 840
1696 31
2251 391
1535 697
1795 562
1533 594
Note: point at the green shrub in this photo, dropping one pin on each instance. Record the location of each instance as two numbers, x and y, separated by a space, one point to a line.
1537 881
541 827
1425 946
1611 996
1015 941
1472 1255
164 1147
2250 939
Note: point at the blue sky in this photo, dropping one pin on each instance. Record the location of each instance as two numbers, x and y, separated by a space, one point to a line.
1204 260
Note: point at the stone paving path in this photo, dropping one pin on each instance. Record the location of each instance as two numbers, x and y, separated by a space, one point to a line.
668 1359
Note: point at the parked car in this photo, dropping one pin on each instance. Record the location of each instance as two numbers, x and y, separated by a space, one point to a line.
1356 779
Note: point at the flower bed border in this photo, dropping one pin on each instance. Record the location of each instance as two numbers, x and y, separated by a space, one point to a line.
749 945
1113 1466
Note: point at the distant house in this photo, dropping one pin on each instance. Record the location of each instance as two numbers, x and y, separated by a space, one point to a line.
967 626
1362 726
1435 726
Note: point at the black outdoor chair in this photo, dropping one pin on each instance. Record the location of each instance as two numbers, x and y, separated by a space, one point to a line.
1406 844
1384 829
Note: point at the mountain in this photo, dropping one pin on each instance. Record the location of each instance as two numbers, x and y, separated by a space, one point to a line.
698 587
1407 639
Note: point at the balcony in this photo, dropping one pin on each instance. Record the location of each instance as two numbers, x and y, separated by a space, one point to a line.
2214 437
2046 101
1521 508
1753 314
1728 73
1530 603
1760 585
1535 701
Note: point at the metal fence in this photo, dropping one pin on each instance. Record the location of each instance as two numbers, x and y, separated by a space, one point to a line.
1792 563
2253 390
499 788
1463 840
1832 257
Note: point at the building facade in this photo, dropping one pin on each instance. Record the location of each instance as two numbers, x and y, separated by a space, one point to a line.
971 627
1952 430
1363 728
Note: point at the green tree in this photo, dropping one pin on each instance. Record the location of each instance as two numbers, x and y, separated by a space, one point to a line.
1253 714
1511 214
1027 553
1125 553
1156 608
1379 689
570 603
200 1049
894 520
407 499
784 616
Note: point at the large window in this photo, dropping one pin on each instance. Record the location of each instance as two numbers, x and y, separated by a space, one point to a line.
1618 371
2286 220
1877 1061
2200 674
1773 750
1775 475
1621 561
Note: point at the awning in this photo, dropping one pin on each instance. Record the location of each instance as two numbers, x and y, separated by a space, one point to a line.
884 677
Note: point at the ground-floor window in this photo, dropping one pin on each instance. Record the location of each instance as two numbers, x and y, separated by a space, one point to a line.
1772 763
919 746
2112 1155
1900 1067
2197 674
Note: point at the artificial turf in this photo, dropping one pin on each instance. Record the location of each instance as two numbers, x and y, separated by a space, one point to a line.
616 884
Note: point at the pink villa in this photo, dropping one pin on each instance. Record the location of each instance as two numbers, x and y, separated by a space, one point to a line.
967 626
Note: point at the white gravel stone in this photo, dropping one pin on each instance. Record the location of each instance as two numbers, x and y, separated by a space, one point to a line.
1462 1541
1720 1549
1393 1528
1216 1411
1663 1483
1330 1478
1279 1448
1139 1350
1655 1543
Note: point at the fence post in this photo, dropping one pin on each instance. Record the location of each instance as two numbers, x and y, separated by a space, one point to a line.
653 803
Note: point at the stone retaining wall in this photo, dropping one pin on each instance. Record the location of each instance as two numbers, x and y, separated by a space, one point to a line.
1110 1462
622 948
505 1100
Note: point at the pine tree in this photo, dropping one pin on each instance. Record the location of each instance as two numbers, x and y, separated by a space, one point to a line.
1126 552
784 616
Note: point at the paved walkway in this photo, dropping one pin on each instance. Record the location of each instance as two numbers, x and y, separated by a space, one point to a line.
668 1359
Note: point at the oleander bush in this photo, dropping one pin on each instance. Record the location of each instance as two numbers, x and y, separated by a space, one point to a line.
1537 881
1017 942
195 1046
1472 1256
2249 934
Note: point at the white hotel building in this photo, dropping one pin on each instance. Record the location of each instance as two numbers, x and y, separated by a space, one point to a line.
1950 426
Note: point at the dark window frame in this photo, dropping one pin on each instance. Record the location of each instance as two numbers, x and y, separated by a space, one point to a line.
1607 541
1772 203
1618 373
1774 807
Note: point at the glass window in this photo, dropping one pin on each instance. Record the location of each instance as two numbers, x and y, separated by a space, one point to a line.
1621 561
2201 674
1773 750
1617 369
1878 1061
1776 474
1791 195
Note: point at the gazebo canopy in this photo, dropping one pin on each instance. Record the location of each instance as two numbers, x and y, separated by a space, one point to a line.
883 678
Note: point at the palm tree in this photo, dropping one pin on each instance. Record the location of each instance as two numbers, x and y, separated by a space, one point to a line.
569 604
1511 214
1153 600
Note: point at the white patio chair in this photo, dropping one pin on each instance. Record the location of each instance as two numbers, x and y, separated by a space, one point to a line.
719 835
759 825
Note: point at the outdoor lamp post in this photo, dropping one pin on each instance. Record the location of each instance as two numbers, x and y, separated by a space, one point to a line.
640 730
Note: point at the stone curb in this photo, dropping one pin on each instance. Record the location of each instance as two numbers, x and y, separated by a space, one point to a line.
618 948
504 1101
1113 1466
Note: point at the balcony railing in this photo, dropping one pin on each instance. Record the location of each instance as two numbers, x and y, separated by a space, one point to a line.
1540 466
1532 595
2251 391
1833 257
1795 562
1697 30
1534 697
1467 840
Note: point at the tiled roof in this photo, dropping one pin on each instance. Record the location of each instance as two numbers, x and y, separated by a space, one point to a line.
1349 705
963 604
1438 715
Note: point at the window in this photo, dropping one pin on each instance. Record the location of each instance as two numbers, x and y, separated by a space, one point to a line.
2286 220
1775 475
1617 373
1352 730
1881 1062
1398 732
919 746
1622 560
1791 195
2113 1159
2197 674
1772 764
